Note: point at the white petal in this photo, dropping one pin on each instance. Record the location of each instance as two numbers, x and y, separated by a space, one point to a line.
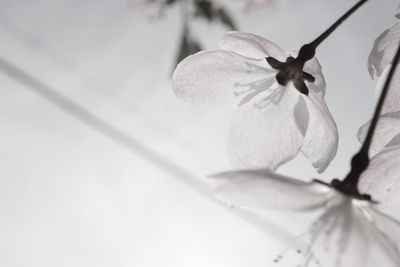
314 68
268 131
383 51
345 237
387 225
382 178
386 133
219 78
250 45
263 189
392 99
321 140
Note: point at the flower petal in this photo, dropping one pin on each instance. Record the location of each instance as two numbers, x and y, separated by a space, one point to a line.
386 132
264 189
383 50
314 68
321 139
387 225
344 235
220 78
265 132
381 178
250 45
392 99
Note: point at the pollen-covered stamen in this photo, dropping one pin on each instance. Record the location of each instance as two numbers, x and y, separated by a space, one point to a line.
292 70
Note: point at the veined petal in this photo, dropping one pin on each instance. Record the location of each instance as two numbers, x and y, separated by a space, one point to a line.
383 50
264 189
392 99
387 225
344 235
250 45
386 133
268 131
381 178
220 78
321 139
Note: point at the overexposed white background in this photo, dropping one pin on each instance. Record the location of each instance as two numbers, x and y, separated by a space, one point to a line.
70 196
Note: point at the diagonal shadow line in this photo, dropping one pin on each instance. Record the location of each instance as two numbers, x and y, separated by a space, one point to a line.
119 137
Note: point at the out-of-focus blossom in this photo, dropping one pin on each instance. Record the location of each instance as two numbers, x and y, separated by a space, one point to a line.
253 4
152 9
350 232
273 122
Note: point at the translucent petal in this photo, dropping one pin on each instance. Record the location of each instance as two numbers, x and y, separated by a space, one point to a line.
383 50
220 78
387 225
386 132
264 189
321 139
344 236
267 132
314 68
250 45
392 99
382 178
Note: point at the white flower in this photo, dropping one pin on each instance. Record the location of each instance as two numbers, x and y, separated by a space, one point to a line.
273 122
350 232
382 177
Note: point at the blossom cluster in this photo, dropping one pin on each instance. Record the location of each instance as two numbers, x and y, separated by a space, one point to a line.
280 111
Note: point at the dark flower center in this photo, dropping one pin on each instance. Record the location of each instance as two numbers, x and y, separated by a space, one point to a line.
346 189
292 69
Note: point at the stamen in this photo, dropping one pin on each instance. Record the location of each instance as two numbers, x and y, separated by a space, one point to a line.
253 89
275 97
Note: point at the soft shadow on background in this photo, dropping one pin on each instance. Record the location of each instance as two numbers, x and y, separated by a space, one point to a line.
115 176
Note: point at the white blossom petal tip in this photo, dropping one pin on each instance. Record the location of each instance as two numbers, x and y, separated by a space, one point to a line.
264 189
383 50
250 45
321 140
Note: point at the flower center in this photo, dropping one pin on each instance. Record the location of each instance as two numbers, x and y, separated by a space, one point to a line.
291 70
346 189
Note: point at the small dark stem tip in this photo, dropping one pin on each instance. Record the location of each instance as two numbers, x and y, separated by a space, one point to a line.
306 53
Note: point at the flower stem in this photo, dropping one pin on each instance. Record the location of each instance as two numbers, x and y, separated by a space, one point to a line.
361 160
307 51
332 28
